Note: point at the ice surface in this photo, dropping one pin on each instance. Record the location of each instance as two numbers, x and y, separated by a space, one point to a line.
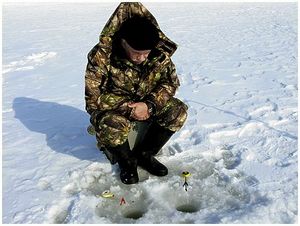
237 64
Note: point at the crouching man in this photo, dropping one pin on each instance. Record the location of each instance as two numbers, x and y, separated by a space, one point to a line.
130 77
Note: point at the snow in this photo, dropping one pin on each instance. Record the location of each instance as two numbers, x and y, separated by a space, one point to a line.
32 61
237 64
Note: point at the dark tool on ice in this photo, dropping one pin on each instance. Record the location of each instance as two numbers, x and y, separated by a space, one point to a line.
185 185
185 175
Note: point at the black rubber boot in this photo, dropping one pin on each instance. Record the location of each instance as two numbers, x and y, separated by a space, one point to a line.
155 138
127 163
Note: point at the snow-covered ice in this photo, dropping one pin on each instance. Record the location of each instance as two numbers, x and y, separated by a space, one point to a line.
32 61
237 64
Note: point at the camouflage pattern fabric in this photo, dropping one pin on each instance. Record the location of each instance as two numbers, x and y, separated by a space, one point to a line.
111 82
114 128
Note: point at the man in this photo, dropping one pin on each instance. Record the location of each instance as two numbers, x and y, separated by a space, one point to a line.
130 77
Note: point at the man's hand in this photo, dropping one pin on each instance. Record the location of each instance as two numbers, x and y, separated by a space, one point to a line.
139 111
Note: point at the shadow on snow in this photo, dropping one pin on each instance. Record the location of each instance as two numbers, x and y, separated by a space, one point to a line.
64 126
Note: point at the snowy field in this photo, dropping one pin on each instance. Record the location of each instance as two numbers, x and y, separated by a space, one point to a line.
237 63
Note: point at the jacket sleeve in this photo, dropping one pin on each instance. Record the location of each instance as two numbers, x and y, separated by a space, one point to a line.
165 89
98 98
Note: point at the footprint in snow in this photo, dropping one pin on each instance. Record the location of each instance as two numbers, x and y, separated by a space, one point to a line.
28 62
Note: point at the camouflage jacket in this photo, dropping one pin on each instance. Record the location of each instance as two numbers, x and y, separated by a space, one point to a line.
112 81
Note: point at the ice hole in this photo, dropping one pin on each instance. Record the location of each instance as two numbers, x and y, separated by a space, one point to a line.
188 208
134 214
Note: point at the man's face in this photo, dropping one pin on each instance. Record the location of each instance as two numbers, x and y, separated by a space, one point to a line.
136 56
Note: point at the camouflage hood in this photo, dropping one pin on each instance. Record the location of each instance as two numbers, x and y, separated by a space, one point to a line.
123 12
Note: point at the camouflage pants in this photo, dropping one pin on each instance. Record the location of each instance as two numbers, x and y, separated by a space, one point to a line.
114 128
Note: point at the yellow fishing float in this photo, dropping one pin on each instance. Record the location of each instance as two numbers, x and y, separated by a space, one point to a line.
107 194
186 174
